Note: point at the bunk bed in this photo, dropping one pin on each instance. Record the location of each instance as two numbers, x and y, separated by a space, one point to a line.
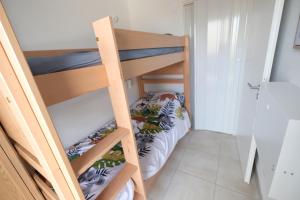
25 95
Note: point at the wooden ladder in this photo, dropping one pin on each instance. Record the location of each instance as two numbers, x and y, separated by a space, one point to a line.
33 133
107 44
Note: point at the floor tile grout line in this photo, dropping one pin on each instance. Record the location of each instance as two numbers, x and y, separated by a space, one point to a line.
224 187
200 179
218 169
197 177
235 191
169 183
175 171
239 158
214 192
215 185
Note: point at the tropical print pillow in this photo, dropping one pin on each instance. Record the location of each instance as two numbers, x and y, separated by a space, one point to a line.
151 115
167 95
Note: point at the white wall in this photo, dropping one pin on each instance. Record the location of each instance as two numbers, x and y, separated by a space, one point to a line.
161 16
58 24
158 16
67 23
287 58
54 24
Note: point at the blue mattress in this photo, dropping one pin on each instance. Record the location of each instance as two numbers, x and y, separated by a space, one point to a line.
45 65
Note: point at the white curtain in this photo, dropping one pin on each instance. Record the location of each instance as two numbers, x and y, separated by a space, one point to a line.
220 27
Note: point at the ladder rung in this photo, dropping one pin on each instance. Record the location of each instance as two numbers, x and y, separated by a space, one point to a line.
46 190
30 159
81 164
118 182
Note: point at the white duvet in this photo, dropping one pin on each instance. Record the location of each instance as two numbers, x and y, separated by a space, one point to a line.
163 146
159 122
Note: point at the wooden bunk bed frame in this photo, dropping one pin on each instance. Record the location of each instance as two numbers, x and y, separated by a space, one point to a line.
24 99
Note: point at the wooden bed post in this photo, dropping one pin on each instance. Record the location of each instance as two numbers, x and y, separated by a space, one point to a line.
186 75
141 86
107 45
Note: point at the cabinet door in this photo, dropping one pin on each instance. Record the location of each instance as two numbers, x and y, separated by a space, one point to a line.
12 186
269 131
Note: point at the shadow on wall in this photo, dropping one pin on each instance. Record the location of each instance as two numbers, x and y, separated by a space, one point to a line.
287 57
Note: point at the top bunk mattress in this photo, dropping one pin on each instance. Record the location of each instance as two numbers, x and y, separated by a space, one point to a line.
69 61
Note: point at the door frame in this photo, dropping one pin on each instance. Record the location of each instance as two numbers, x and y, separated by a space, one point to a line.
273 38
274 33
192 59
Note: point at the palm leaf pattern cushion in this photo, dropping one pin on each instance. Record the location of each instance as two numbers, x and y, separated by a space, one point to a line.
151 115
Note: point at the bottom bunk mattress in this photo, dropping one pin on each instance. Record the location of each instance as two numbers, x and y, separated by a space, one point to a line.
159 121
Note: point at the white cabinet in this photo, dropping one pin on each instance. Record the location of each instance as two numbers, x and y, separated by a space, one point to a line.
277 135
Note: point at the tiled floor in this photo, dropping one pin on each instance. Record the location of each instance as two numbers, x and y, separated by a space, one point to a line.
204 166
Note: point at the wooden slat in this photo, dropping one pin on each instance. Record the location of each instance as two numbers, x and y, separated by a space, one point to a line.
172 69
49 193
141 86
8 120
22 115
134 68
186 75
162 81
54 52
81 164
175 69
46 196
61 86
137 196
114 187
18 164
128 39
12 186
31 160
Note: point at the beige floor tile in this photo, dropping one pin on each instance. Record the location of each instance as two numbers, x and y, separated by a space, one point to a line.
166 175
224 194
208 134
227 136
230 176
185 186
162 183
228 148
204 142
177 155
202 165
184 142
